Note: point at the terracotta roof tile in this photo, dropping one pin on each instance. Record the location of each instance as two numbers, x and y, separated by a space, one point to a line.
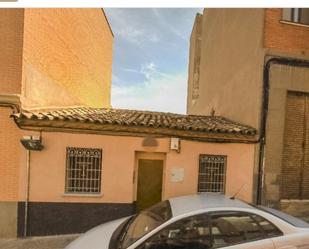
134 118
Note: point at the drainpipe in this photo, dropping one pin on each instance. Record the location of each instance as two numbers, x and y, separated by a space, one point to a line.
27 194
265 101
10 100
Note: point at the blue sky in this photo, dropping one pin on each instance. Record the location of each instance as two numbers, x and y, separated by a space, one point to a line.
150 57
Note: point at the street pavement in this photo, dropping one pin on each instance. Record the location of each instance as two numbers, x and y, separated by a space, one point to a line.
46 242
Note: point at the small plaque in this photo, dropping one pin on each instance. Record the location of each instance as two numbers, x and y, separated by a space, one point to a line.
177 174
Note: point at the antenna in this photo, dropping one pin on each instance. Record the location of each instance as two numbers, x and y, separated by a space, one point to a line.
233 197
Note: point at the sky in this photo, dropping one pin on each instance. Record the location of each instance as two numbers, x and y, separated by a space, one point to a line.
150 57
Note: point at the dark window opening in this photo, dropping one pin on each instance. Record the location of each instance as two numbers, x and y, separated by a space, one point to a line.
297 15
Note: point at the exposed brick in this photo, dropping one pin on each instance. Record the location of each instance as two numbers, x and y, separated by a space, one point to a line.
10 156
284 37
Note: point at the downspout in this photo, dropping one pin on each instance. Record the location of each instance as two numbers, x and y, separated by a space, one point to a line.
27 193
265 101
10 100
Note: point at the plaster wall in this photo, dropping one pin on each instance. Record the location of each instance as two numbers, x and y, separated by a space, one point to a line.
232 59
118 164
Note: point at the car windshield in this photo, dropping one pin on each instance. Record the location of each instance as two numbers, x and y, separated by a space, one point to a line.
144 222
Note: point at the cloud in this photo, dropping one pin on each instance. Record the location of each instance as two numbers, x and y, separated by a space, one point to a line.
149 70
166 93
129 26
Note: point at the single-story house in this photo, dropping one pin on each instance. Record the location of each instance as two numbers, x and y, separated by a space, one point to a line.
82 166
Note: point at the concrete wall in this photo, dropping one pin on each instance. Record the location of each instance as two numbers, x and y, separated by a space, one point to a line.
8 219
232 58
11 42
118 164
67 58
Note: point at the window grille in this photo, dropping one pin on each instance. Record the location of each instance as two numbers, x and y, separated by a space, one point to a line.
212 173
83 170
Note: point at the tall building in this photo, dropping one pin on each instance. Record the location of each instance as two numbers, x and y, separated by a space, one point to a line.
59 57
251 65
49 58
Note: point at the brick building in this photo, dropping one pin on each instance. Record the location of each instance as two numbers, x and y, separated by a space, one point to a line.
251 65
47 59
68 161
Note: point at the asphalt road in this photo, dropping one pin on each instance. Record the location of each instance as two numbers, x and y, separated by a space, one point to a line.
48 242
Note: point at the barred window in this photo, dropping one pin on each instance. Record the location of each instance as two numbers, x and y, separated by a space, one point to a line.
83 170
212 173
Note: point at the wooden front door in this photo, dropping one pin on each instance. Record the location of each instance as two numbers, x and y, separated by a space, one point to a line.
149 183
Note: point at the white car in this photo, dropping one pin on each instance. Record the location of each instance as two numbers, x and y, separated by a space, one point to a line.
203 221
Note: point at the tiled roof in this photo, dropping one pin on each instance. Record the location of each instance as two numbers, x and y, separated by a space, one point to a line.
104 119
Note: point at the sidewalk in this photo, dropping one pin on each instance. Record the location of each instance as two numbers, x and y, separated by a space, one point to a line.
47 242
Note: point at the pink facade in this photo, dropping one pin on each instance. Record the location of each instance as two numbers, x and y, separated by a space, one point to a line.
120 154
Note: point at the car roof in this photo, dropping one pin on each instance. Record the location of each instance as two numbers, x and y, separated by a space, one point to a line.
190 203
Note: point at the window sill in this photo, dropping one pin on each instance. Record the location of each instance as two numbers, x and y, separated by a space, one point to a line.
294 23
82 195
294 200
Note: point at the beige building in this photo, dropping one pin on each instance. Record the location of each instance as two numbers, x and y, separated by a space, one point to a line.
68 161
251 65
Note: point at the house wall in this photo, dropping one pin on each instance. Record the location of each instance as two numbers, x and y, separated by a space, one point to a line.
11 42
47 196
67 58
10 150
283 78
232 59
285 37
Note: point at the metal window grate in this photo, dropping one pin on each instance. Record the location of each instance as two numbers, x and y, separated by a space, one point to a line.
212 173
83 170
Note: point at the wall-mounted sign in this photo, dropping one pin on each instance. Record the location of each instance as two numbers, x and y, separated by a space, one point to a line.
177 174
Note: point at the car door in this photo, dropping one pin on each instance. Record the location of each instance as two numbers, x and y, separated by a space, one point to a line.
238 230
293 241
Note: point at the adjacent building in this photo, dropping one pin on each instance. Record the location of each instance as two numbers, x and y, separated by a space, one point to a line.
251 65
68 161
49 58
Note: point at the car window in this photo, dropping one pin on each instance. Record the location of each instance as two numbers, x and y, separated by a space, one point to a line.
283 216
189 233
269 229
145 222
229 228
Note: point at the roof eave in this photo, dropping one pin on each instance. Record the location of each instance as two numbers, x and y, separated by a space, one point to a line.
129 130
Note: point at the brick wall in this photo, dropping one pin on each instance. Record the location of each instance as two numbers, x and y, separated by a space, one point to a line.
11 40
10 149
67 58
284 37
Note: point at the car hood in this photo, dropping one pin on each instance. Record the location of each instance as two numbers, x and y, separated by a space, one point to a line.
98 237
